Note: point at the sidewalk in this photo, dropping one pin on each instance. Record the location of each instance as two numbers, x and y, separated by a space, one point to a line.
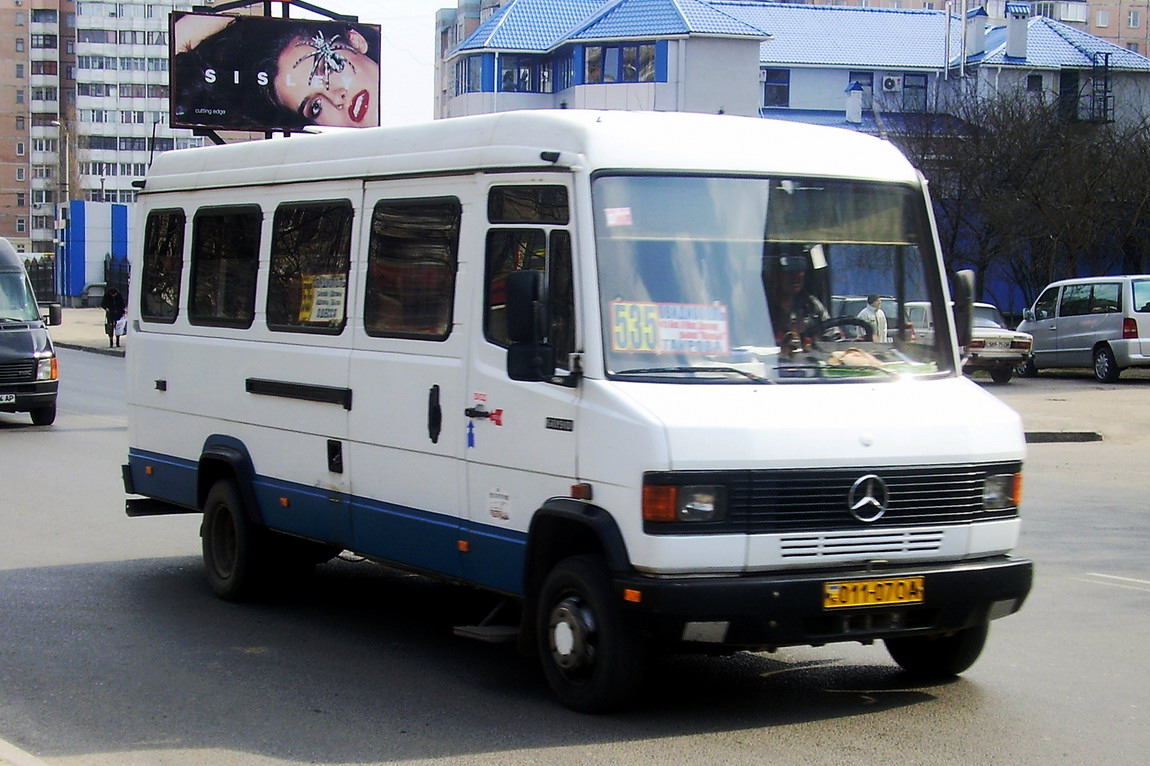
83 330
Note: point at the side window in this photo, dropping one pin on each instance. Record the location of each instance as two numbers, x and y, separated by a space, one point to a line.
411 264
1075 301
162 266
1107 298
307 278
1044 306
535 248
225 259
1141 290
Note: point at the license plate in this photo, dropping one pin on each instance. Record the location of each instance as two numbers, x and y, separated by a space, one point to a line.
904 590
7 398
998 344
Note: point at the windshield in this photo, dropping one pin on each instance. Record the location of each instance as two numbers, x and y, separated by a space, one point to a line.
16 301
752 279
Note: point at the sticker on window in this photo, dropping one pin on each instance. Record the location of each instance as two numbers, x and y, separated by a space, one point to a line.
618 216
323 298
669 328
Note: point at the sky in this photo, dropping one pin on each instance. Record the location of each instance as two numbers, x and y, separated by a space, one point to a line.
407 53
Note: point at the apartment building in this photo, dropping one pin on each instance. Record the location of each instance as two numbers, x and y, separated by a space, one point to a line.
83 107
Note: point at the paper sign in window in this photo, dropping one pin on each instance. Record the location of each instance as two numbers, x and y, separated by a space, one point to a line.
323 298
669 328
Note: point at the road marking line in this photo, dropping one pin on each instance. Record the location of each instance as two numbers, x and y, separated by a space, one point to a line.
1141 587
10 755
1116 577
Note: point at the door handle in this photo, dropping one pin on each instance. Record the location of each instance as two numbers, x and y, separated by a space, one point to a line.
495 416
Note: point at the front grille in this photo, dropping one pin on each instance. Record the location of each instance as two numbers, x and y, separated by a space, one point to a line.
21 371
815 500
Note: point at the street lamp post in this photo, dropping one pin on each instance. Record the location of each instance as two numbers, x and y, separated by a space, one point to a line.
61 221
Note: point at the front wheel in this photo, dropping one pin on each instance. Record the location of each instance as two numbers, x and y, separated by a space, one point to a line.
592 661
938 656
44 416
1105 366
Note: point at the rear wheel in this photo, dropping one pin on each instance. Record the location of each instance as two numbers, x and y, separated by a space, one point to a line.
44 416
234 548
592 661
1105 366
938 656
1001 374
1026 369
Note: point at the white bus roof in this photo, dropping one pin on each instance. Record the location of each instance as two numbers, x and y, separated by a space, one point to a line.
590 140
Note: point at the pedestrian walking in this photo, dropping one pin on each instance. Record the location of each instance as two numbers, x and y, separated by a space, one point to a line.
115 316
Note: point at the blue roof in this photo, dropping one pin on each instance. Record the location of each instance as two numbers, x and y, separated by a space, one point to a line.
822 36
531 25
1053 45
660 18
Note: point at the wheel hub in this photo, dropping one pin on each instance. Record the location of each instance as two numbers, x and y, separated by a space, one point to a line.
571 636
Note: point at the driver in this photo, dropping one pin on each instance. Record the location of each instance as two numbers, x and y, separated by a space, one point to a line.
793 308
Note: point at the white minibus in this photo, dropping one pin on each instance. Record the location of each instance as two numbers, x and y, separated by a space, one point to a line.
583 360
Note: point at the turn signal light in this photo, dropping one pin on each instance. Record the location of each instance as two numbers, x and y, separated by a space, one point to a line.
660 503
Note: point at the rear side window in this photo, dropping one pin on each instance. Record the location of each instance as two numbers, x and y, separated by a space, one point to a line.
225 259
411 263
310 255
162 266
1093 298
1141 290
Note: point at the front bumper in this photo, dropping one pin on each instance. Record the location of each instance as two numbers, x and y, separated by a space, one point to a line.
773 610
28 396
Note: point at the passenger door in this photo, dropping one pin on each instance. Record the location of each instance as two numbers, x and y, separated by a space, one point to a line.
1044 328
520 440
407 375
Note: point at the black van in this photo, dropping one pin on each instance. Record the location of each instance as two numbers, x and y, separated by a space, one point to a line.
29 376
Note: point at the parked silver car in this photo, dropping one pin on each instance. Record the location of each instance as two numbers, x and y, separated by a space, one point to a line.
1099 322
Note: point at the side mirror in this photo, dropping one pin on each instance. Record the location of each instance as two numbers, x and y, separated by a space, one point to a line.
963 306
1028 315
53 314
526 307
528 357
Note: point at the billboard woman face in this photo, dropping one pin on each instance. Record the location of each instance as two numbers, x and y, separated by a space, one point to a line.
330 80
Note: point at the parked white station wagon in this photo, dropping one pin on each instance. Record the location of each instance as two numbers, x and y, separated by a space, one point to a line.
1099 322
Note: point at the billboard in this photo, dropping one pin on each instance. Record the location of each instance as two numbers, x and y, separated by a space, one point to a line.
264 73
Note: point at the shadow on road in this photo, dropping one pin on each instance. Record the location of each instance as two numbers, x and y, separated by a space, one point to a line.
358 667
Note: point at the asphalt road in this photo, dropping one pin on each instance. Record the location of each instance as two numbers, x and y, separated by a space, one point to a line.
113 651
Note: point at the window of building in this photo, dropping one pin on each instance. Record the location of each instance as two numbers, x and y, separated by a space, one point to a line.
45 15
524 74
45 93
162 266
43 196
19 148
21 225
1102 18
914 93
619 63
44 67
593 64
21 199
310 259
42 222
1134 19
19 95
21 121
225 260
1132 47
411 264
41 171
1034 83
19 71
776 87
21 173
20 18
45 41
19 44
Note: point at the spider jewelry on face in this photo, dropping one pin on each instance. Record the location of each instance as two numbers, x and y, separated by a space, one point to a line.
326 58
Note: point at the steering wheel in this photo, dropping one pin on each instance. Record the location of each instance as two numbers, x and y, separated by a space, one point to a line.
815 331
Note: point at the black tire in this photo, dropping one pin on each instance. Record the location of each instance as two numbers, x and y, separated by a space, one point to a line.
940 656
1001 374
592 661
1026 369
1105 366
234 548
44 416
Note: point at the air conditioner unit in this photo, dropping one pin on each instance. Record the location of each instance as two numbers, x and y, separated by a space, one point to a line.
891 84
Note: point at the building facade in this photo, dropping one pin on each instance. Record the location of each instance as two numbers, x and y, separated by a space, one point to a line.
85 108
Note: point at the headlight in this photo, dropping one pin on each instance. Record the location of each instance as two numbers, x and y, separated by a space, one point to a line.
46 369
670 503
1003 490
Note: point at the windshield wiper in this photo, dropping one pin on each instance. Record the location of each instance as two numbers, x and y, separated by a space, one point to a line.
688 369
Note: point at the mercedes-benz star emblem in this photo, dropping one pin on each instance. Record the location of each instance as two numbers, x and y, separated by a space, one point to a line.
868 498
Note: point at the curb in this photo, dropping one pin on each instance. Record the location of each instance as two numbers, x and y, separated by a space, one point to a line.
1062 437
91 350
